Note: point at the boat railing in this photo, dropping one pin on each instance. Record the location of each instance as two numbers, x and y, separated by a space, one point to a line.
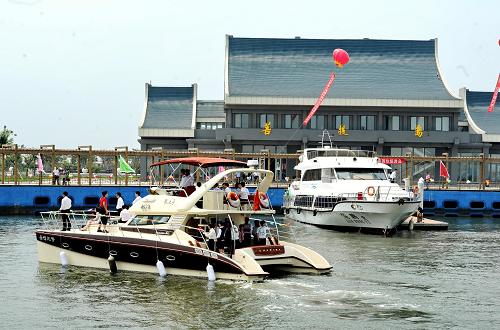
52 220
324 203
274 229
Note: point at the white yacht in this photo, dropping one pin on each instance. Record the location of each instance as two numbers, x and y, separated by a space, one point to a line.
168 235
347 190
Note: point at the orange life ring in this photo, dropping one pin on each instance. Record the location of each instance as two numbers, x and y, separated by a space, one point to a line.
263 200
233 199
370 191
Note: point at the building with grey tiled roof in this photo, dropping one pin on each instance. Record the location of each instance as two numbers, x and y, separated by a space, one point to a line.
388 87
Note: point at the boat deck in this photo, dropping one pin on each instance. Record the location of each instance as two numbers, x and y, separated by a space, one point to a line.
426 224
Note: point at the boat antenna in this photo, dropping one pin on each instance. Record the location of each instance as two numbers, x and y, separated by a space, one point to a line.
323 139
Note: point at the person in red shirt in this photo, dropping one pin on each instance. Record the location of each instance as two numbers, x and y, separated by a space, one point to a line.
103 209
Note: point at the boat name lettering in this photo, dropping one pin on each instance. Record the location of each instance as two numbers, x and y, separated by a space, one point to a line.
169 201
198 251
214 255
145 207
149 200
352 218
206 253
46 238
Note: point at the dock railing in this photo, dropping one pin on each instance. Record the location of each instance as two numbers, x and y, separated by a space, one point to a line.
88 166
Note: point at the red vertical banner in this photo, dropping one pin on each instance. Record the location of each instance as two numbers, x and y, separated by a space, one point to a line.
494 97
443 171
320 98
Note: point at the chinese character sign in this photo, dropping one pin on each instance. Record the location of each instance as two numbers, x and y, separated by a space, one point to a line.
342 130
392 160
419 131
267 128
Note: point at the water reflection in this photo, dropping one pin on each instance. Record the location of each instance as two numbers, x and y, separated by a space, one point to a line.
440 279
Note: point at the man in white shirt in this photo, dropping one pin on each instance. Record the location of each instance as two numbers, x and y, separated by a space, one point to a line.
125 214
226 188
243 193
119 201
137 197
189 179
64 209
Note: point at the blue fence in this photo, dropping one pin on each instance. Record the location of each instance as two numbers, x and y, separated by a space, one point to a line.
28 199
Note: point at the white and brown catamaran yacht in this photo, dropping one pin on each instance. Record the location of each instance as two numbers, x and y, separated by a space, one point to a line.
166 233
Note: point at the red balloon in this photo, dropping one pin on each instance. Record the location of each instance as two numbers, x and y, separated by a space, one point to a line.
340 57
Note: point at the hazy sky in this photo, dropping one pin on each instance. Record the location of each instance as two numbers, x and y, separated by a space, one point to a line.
73 72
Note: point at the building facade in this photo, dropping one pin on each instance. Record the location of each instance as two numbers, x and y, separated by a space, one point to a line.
388 89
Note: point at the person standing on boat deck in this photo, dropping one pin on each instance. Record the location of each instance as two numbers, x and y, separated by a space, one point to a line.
183 178
119 202
243 194
247 233
64 209
103 210
241 237
228 238
211 236
226 188
137 197
393 176
220 238
262 232
255 235
189 179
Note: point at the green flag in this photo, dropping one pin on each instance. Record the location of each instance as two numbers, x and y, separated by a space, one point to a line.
124 167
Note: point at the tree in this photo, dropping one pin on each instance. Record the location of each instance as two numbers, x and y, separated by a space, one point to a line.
6 136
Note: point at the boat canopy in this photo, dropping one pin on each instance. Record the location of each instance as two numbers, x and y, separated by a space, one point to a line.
202 162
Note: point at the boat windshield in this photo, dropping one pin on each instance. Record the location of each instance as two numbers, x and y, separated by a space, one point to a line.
144 220
361 174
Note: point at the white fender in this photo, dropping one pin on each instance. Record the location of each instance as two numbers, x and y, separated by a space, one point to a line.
64 259
161 268
410 225
210 272
112 265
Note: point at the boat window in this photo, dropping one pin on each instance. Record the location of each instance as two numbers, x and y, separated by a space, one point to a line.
361 174
338 153
144 220
312 175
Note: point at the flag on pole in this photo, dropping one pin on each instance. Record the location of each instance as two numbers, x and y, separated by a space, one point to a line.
494 97
125 167
443 171
320 99
39 163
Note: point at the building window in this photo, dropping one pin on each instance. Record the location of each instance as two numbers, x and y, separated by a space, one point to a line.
417 120
339 120
318 122
241 120
291 121
209 125
367 123
391 123
442 124
266 118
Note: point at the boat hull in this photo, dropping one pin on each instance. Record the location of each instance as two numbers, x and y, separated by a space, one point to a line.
139 255
364 216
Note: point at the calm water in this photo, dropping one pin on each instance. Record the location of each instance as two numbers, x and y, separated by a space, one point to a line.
413 280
